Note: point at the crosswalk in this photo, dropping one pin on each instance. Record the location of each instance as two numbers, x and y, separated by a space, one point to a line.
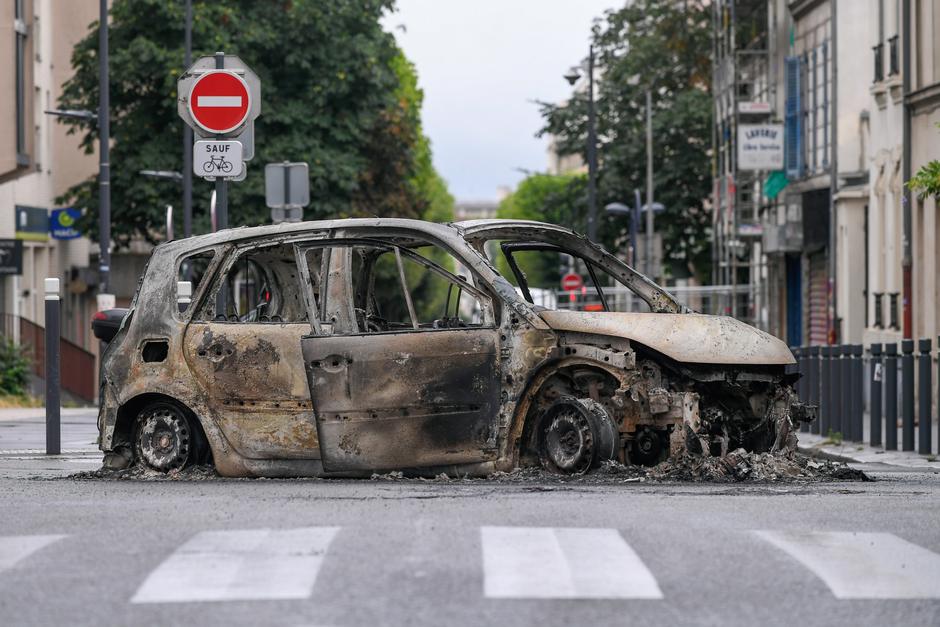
516 563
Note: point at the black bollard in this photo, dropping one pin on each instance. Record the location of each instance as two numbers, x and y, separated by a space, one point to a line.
825 390
803 385
891 397
858 393
877 374
907 395
53 404
846 383
814 385
835 399
924 398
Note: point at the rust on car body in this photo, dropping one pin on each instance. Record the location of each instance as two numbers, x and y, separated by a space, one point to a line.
285 364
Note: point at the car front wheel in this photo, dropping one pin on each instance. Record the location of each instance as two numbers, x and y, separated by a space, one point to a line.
576 435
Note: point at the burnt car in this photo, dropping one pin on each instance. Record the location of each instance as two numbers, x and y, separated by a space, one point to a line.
347 347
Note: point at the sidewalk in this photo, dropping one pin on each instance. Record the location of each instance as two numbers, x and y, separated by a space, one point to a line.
862 453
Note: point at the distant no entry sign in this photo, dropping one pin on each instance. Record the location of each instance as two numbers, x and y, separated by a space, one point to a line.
219 101
572 282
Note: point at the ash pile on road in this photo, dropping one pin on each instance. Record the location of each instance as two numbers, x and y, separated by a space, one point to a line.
139 473
740 465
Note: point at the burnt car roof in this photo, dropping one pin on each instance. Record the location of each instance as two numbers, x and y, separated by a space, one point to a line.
441 230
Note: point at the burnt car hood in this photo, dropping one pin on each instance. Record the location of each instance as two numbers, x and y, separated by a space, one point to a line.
687 338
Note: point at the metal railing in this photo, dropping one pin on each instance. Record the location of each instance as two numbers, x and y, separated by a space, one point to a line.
708 299
850 383
77 364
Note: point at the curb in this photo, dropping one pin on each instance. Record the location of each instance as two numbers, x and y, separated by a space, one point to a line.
832 457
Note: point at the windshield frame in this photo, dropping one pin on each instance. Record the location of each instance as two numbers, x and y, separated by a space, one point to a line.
569 242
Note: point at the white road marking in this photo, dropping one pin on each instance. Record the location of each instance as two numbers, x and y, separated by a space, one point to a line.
219 101
15 548
863 565
245 564
563 563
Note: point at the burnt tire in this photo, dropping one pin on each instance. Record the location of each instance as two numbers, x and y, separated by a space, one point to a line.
576 435
166 438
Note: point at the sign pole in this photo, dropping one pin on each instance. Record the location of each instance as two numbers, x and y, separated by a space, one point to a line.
188 135
104 156
221 190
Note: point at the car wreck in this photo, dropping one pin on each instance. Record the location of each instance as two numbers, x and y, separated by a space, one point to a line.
343 348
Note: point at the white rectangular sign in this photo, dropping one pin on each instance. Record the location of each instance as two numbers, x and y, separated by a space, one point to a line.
760 146
212 159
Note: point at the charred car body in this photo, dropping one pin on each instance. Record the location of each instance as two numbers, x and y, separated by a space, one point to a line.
342 348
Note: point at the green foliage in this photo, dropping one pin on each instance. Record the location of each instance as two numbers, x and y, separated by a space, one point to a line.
663 47
927 180
334 95
557 199
14 368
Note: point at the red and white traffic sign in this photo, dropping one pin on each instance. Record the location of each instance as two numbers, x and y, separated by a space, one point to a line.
572 282
219 101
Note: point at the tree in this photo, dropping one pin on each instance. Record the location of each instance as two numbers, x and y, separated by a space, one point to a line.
557 199
663 46
332 96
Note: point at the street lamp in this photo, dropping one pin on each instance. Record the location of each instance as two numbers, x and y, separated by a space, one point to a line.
620 209
572 77
103 119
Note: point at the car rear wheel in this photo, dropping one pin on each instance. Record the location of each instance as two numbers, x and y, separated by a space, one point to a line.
164 438
576 435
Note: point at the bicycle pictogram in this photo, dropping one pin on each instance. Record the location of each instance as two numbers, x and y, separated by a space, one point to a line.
217 164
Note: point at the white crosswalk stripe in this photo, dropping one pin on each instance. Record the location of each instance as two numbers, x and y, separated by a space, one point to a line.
563 563
863 565
15 548
255 564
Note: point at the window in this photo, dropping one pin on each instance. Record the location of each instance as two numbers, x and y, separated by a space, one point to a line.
193 269
19 26
261 285
536 269
381 288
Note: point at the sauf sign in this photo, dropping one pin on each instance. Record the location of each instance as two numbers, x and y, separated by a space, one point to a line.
760 146
220 97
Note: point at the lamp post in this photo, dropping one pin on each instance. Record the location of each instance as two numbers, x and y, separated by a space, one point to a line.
620 209
187 176
572 77
103 119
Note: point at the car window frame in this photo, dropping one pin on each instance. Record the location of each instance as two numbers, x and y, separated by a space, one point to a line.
508 248
486 300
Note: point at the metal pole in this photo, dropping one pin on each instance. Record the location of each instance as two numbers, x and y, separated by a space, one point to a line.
649 184
834 335
858 393
221 186
891 397
825 390
104 154
53 402
907 258
926 390
592 152
188 134
814 385
907 395
635 226
835 398
877 374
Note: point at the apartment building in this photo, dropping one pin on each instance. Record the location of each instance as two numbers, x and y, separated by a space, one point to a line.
39 161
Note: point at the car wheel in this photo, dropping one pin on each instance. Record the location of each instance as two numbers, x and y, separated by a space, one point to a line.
164 439
576 435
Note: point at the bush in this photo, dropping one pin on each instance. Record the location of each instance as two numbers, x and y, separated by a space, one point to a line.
14 368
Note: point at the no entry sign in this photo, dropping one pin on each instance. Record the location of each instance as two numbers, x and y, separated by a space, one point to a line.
572 282
219 102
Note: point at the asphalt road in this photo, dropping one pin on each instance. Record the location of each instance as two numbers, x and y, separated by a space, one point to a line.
537 552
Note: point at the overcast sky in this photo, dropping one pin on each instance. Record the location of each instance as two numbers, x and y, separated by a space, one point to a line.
481 63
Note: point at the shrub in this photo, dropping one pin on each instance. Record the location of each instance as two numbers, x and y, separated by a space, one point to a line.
14 368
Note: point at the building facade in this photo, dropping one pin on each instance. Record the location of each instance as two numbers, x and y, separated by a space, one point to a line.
39 161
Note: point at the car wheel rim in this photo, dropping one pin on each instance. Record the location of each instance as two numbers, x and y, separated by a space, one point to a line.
163 439
568 442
